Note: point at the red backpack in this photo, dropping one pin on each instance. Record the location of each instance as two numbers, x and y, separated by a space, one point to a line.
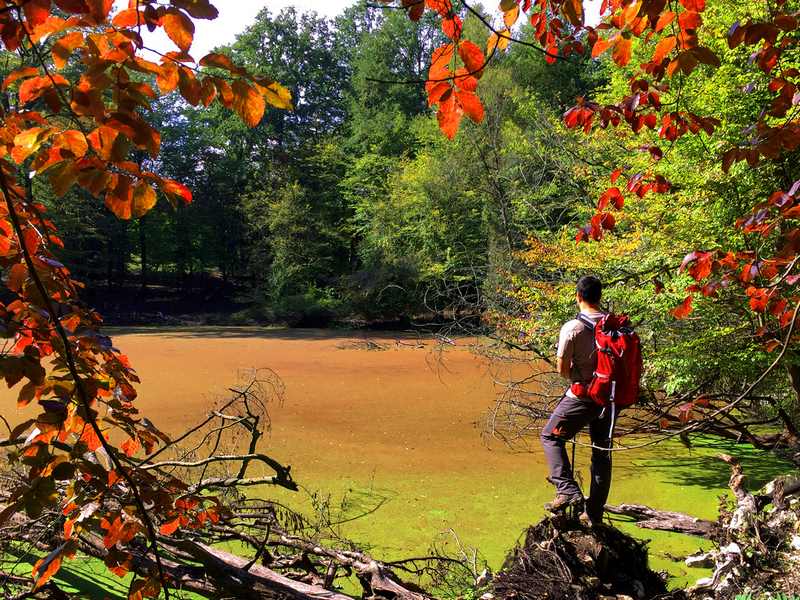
619 362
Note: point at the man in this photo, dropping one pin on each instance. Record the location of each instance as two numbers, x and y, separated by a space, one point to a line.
576 362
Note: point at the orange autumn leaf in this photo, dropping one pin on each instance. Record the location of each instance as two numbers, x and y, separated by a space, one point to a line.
144 199
684 309
73 141
176 192
449 116
48 566
21 73
170 527
471 105
600 46
64 47
664 48
248 103
573 10
472 56
33 88
179 28
511 16
622 51
102 141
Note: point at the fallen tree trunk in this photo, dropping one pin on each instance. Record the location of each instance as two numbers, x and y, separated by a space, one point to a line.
665 520
257 581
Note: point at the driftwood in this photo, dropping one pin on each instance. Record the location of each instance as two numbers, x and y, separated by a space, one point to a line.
665 520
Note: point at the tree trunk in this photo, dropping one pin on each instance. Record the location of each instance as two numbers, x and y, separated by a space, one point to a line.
143 255
794 379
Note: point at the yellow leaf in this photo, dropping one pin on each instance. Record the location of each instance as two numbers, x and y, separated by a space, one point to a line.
278 96
497 41
28 142
510 16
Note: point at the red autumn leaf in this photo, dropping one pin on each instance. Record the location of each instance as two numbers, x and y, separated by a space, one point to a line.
145 588
176 192
608 221
759 298
471 105
611 196
472 56
684 309
452 27
696 5
438 91
170 527
118 531
36 12
449 116
199 9
440 62
17 275
99 9
465 81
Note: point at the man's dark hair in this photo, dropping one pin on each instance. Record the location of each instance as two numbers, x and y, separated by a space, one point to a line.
590 289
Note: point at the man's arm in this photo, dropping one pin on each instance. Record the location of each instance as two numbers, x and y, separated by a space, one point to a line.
564 353
564 368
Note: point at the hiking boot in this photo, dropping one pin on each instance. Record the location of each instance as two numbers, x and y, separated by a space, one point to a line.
587 521
563 502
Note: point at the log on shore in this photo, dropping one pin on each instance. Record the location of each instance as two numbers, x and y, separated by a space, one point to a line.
665 520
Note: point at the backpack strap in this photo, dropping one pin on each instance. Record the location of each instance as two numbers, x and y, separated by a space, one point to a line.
586 321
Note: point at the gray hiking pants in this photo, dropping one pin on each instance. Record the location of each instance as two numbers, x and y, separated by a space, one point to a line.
570 416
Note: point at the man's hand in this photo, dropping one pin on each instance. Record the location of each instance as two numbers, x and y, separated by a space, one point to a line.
564 368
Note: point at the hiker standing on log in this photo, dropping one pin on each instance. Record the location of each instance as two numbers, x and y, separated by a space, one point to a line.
576 362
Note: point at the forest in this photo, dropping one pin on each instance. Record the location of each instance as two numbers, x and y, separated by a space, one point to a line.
434 166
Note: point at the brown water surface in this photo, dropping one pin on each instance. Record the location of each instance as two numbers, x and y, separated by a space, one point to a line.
397 428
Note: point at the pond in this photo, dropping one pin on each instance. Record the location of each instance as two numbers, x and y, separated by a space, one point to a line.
386 431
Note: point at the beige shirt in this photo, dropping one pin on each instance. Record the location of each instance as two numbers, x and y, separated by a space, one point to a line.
576 348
